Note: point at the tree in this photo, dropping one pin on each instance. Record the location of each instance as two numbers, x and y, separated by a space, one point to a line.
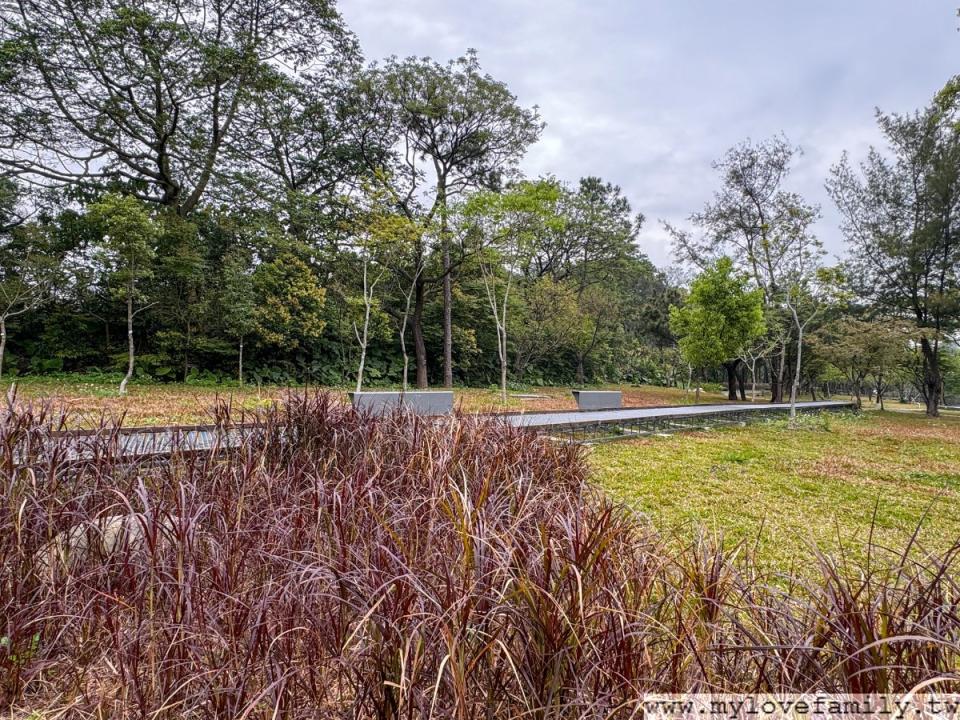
859 348
238 301
27 276
180 288
720 318
152 95
900 216
753 220
313 142
761 348
290 302
371 278
12 215
543 318
508 225
394 242
127 248
806 288
595 242
470 132
805 298
597 319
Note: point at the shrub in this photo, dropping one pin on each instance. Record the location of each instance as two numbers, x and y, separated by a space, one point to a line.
337 565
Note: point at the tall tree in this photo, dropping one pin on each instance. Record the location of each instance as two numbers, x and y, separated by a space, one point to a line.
238 301
366 245
901 216
395 242
314 141
720 318
127 247
149 94
753 220
806 298
458 129
508 225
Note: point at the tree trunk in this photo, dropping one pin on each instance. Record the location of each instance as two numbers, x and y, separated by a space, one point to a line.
503 368
795 387
3 342
130 349
931 377
504 358
731 368
186 353
447 288
363 360
581 376
240 364
368 289
447 322
771 374
403 340
406 355
741 381
419 346
781 373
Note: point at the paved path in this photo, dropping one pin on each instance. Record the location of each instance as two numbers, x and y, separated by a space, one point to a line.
599 417
140 443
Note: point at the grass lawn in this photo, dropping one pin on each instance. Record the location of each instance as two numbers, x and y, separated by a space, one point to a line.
785 489
177 403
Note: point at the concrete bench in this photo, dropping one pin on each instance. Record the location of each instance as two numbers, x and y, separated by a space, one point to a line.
417 401
598 399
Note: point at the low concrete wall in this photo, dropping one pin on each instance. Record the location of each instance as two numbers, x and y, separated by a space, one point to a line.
598 399
434 402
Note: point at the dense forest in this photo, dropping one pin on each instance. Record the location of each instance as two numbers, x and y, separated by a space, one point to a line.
216 192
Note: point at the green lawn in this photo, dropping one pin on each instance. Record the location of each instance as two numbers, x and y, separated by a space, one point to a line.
830 482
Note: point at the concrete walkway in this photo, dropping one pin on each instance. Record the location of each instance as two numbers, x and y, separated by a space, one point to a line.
143 442
602 417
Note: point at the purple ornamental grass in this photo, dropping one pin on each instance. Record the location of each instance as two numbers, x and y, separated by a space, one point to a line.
340 565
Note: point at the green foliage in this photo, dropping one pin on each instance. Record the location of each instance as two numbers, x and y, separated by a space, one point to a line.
899 216
238 301
127 244
858 348
469 123
160 98
721 316
290 302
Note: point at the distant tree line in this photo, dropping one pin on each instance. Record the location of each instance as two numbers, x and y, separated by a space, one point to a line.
199 189
887 313
194 190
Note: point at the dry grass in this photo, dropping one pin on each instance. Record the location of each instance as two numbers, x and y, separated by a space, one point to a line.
173 404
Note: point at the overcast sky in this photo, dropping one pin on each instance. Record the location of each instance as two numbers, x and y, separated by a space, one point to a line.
646 94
